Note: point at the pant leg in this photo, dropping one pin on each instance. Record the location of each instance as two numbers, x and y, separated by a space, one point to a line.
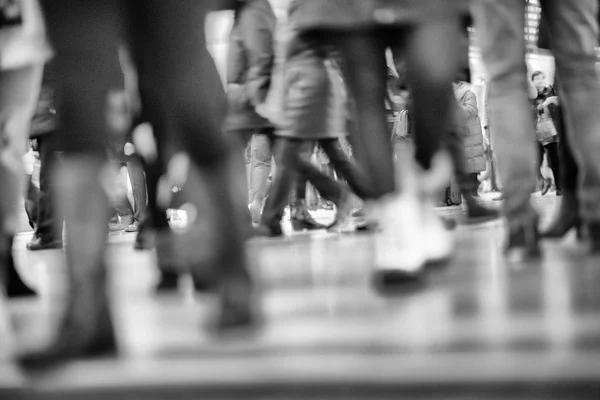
18 95
290 165
49 221
364 56
178 74
432 65
541 151
573 28
500 26
356 178
554 163
138 186
260 164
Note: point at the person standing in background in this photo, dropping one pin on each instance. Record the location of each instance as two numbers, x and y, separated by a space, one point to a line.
250 63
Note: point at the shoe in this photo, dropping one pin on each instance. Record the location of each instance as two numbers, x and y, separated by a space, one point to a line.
559 192
76 340
546 185
134 227
399 252
273 230
37 243
236 309
343 222
168 281
302 219
122 224
326 205
439 246
523 242
15 287
566 219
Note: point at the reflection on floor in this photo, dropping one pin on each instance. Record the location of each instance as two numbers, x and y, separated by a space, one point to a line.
477 328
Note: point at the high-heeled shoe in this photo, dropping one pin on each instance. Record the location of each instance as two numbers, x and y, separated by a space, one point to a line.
546 185
566 219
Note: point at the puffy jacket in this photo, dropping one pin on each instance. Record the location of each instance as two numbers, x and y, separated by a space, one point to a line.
250 64
472 133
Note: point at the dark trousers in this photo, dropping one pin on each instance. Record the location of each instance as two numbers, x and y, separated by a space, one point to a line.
48 222
181 92
553 152
292 167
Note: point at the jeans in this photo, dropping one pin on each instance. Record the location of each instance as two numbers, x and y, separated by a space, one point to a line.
500 26
260 164
293 165
18 96
573 34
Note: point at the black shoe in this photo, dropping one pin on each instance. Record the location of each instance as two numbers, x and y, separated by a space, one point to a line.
72 344
15 287
272 230
523 242
37 243
559 192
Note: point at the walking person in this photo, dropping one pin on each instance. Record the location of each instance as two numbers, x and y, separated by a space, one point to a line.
573 35
182 97
23 52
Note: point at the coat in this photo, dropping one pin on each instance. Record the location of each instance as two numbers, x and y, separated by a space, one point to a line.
250 64
472 133
314 96
365 14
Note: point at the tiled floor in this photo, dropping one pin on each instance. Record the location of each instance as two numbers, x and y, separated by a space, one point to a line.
476 328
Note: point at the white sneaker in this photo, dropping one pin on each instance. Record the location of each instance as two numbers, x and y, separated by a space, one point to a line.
439 243
399 251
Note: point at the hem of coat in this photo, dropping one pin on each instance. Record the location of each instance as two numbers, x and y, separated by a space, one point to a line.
293 135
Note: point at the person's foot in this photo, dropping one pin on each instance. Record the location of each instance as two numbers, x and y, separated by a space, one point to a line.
566 219
38 243
326 205
546 185
523 241
122 224
559 192
343 222
477 213
439 245
76 340
272 230
134 227
399 252
302 219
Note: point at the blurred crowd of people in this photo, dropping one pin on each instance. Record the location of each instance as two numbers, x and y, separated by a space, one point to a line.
363 107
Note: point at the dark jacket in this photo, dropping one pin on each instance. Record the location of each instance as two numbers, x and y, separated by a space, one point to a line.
553 109
250 64
473 134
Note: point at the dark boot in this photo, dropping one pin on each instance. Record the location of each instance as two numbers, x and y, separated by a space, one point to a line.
15 287
566 219
302 219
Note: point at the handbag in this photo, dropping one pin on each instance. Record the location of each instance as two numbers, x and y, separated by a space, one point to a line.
545 130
